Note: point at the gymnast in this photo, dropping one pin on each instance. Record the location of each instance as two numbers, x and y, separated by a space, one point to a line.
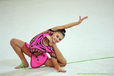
41 44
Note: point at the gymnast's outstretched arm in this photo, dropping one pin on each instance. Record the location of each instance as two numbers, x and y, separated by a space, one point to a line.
66 26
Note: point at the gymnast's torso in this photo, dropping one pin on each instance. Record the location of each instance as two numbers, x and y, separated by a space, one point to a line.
39 47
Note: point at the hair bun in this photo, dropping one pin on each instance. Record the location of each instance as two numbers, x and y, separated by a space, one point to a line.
63 30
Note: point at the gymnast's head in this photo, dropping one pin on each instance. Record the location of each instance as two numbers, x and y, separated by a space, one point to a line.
58 35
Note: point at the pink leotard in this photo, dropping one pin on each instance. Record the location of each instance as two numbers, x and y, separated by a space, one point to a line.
36 46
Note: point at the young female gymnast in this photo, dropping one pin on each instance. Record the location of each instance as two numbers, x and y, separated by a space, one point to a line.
42 44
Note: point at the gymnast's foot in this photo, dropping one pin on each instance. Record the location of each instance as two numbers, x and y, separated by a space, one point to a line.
21 66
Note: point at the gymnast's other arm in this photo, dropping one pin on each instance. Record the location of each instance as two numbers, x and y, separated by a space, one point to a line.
54 60
66 26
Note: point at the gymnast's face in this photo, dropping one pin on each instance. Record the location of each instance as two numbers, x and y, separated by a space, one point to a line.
57 37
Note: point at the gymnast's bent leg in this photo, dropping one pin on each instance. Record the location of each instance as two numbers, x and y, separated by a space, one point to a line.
20 48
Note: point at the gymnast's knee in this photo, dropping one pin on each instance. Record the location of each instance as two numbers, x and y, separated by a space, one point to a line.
64 63
12 41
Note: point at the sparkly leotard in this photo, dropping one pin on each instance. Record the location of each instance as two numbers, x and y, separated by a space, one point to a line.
36 46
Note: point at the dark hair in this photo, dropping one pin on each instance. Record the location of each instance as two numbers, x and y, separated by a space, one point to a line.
63 31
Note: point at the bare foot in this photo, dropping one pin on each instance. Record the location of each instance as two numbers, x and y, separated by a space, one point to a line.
21 66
